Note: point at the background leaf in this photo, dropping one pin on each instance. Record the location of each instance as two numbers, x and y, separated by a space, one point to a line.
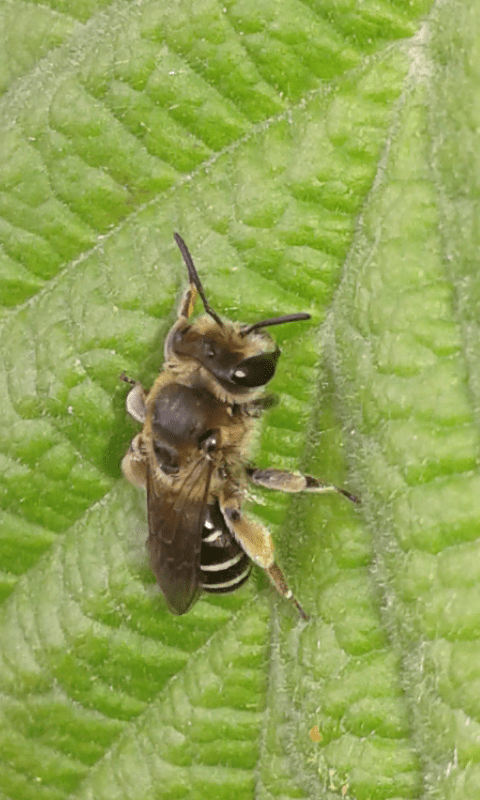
318 157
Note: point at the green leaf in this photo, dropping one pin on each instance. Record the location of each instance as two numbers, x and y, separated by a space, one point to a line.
316 157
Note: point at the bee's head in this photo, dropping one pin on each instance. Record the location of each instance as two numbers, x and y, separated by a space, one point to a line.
241 357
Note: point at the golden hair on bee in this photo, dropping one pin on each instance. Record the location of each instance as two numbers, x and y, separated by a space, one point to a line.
191 455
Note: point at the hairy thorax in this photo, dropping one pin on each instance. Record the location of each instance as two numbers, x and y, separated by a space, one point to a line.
183 415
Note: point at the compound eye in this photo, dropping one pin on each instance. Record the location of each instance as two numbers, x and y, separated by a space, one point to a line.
255 371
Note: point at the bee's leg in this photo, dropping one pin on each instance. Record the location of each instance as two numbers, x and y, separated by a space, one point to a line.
185 309
188 302
195 285
126 379
134 464
135 400
293 482
257 543
255 408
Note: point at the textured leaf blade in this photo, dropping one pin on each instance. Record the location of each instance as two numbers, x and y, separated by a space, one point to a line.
261 145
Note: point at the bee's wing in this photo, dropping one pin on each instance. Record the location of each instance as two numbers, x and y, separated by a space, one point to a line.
175 523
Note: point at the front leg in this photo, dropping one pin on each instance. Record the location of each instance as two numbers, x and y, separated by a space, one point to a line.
187 303
255 408
284 481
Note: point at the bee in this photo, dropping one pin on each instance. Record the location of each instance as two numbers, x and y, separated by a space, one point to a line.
192 453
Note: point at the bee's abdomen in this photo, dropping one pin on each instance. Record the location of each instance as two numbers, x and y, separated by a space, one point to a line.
224 565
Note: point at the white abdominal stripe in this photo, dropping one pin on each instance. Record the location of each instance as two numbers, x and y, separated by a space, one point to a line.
224 565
